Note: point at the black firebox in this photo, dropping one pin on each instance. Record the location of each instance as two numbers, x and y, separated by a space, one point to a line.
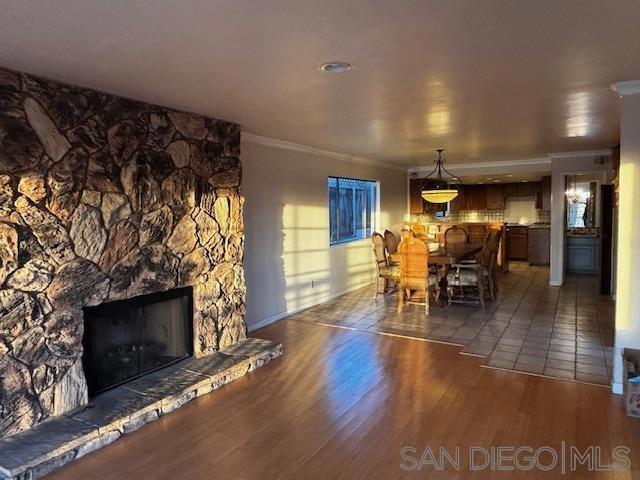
129 338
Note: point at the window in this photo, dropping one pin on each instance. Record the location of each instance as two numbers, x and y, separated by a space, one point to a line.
352 209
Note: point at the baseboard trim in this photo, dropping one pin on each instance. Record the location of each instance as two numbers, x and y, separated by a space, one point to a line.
617 388
279 316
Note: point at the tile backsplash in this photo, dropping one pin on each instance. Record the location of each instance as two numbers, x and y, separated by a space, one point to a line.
471 216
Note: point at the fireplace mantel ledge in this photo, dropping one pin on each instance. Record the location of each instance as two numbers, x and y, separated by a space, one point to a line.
60 440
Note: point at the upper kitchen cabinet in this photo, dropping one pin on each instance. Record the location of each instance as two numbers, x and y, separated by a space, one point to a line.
459 203
475 197
510 189
415 197
494 197
545 194
527 189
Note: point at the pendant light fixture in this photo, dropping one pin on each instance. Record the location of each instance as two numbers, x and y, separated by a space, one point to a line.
435 189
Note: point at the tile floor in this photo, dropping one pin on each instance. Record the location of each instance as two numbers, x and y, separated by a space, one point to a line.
562 332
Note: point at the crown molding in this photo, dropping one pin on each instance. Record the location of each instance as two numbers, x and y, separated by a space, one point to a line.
297 147
522 163
528 162
581 153
629 87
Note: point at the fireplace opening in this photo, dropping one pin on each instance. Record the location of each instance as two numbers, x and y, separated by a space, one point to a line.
126 339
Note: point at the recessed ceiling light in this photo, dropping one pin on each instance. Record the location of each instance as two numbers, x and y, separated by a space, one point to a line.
509 175
525 181
335 67
496 181
488 178
480 183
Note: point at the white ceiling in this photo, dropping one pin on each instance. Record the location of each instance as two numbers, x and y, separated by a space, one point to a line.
487 80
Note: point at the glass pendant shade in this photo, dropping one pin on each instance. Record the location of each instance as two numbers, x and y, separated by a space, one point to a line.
439 196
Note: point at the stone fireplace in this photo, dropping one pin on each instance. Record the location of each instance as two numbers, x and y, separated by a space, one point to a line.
104 199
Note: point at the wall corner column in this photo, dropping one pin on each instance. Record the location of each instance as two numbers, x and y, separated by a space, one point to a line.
627 313
556 264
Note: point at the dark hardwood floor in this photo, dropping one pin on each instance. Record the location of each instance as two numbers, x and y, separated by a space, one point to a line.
342 403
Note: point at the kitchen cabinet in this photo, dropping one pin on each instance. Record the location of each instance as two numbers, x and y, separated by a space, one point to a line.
458 204
475 197
488 197
545 194
494 198
539 244
415 199
510 189
526 189
583 253
522 189
517 239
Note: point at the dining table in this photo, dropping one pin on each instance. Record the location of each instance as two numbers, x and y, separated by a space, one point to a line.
452 253
446 253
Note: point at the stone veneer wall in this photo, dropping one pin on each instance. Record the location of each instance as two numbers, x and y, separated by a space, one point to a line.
103 198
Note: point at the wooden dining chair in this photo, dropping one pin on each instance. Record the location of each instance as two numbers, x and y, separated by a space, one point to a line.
455 234
423 237
404 234
418 228
467 283
485 246
392 242
414 271
493 246
383 269
479 274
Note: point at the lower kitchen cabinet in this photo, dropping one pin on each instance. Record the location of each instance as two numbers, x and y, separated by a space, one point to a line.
583 253
539 245
517 239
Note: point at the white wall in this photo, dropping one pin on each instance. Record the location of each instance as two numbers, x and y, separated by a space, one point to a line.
287 229
561 166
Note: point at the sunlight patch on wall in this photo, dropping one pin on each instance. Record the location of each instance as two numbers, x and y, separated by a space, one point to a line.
313 270
627 246
305 231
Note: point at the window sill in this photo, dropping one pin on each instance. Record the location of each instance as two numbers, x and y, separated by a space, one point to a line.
349 242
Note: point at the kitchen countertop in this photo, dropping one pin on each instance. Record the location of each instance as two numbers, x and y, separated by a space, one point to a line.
529 225
408 222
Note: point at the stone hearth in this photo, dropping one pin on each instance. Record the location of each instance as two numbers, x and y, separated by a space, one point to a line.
102 199
58 441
